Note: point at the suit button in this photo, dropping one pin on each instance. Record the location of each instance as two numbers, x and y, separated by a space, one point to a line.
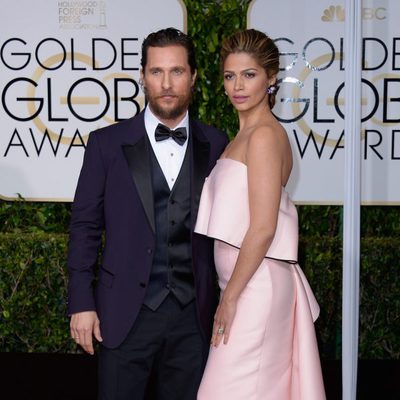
168 286
170 244
172 222
149 251
142 284
172 201
171 266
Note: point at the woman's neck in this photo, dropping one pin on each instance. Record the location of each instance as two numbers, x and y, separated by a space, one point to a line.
256 116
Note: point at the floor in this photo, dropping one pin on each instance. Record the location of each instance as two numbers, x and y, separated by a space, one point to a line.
73 377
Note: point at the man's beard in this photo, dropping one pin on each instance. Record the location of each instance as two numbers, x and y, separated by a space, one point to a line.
168 113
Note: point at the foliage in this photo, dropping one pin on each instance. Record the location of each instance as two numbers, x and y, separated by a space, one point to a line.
320 220
380 221
209 22
379 331
380 298
23 216
320 258
33 291
376 221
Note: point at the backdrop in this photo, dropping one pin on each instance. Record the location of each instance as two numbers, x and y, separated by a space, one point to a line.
67 67
310 102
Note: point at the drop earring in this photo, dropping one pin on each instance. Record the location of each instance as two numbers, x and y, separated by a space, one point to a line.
272 89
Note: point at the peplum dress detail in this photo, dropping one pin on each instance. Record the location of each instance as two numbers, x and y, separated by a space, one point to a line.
272 353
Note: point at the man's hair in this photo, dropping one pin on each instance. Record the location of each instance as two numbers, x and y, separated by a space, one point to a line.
169 37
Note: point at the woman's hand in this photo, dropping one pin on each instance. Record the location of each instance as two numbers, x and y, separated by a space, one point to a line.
223 321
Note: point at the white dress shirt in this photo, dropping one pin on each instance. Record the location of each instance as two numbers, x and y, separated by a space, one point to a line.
169 154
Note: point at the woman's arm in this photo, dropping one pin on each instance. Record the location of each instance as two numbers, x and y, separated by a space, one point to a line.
264 159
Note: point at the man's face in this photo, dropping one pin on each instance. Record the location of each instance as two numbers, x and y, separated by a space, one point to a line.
168 83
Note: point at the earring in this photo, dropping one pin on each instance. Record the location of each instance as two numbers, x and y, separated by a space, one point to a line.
226 93
141 84
272 89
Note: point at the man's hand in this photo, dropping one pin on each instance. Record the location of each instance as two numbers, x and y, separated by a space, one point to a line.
83 325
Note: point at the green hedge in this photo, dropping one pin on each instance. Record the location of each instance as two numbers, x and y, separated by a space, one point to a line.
33 284
209 22
33 291
379 330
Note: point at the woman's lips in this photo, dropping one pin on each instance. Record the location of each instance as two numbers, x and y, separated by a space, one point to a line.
240 99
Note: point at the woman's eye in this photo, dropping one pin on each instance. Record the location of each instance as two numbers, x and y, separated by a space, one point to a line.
228 77
250 75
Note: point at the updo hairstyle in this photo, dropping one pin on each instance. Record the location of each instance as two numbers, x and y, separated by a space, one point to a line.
261 48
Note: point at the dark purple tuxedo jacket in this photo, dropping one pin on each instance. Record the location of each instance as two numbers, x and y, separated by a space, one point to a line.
114 195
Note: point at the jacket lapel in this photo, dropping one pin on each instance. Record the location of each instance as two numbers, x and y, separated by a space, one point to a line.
200 163
137 157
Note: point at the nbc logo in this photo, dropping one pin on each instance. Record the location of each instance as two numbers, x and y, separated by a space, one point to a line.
333 13
336 13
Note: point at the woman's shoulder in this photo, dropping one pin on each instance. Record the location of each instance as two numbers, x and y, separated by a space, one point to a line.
266 135
269 144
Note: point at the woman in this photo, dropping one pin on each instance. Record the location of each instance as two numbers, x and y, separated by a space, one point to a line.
263 344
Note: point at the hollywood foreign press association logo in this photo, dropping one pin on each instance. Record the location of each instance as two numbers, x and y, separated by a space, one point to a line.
82 14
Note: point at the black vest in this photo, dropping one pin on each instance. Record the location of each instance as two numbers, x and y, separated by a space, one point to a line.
172 263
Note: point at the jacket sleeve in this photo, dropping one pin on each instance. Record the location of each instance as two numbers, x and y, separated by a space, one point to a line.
86 228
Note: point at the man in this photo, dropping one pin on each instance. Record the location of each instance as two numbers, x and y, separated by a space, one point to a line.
140 183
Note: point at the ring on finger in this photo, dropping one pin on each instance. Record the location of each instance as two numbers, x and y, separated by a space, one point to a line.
220 330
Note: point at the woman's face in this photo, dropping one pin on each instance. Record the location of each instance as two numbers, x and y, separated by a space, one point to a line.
245 81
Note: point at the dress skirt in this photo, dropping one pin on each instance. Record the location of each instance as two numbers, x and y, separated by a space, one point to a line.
257 361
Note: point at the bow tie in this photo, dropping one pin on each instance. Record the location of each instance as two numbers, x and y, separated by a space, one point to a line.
163 132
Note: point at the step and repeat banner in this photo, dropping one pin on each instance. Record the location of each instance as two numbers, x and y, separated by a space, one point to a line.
310 101
67 68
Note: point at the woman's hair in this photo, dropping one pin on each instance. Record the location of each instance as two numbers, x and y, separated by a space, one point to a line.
259 46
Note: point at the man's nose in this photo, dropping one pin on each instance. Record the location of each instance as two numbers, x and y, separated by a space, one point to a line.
166 81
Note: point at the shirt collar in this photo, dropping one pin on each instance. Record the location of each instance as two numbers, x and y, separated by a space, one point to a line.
151 122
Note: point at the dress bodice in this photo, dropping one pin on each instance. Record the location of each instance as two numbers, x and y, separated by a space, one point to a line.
224 211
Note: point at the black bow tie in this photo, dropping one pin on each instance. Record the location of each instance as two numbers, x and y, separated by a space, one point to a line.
163 132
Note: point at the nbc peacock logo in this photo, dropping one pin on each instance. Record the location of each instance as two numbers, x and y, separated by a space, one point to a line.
333 13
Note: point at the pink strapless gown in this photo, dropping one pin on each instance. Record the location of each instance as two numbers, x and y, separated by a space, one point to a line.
272 352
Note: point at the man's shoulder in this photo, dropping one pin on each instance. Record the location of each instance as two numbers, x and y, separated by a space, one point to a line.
118 131
210 131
